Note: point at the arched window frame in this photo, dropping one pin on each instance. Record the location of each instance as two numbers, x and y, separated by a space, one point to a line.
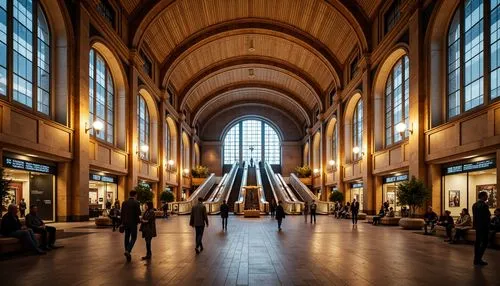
357 129
168 143
107 102
472 67
143 126
234 148
31 73
397 98
334 143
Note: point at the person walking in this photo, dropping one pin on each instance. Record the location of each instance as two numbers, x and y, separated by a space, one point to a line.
280 214
224 214
481 223
312 211
22 207
354 211
198 220
272 208
306 211
148 228
131 212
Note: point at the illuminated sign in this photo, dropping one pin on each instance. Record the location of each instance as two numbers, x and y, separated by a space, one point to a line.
19 164
356 185
470 167
101 178
395 179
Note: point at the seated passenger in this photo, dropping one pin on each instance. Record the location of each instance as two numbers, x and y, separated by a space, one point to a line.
391 212
381 214
405 212
430 218
494 227
447 222
11 227
345 212
463 223
47 233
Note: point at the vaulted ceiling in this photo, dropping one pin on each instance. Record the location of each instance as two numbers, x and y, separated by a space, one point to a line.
283 53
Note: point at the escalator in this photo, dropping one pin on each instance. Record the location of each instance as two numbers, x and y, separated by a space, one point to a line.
235 190
266 185
297 195
207 196
252 177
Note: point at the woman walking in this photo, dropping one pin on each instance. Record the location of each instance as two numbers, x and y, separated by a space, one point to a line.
148 228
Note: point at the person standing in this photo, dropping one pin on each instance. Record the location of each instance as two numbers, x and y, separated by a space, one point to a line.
22 207
280 214
131 212
354 211
148 228
481 223
114 215
312 211
47 233
198 220
272 208
306 211
224 214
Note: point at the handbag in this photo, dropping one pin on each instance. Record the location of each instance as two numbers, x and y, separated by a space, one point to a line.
121 228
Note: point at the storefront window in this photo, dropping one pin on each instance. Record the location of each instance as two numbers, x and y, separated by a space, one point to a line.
463 182
390 191
103 189
356 192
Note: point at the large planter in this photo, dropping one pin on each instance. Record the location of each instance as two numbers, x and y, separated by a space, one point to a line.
306 181
197 181
411 223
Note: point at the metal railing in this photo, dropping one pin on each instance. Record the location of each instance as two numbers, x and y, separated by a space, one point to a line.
322 206
223 189
185 206
290 207
263 204
239 204
285 187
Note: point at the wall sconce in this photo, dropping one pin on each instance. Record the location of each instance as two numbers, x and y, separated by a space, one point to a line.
357 150
186 172
170 165
96 125
316 172
332 164
142 150
401 127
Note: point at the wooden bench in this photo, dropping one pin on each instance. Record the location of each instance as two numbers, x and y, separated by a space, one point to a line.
361 216
369 218
103 221
469 236
390 220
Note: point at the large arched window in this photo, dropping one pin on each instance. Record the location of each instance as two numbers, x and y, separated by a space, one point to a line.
252 139
357 130
28 79
143 126
467 71
334 144
397 92
101 96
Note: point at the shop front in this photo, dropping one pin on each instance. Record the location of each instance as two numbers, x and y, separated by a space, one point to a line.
103 190
33 180
463 181
390 190
356 192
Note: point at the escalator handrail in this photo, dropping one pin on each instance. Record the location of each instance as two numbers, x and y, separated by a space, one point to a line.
233 178
286 188
289 206
184 207
305 192
241 195
218 189
263 204
213 205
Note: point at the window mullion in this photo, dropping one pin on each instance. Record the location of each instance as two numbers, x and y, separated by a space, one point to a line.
462 57
486 52
34 65
10 50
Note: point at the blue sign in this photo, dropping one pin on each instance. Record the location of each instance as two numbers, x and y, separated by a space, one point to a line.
19 164
395 179
469 167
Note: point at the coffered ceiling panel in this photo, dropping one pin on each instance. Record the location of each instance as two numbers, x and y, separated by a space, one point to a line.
184 18
250 43
257 75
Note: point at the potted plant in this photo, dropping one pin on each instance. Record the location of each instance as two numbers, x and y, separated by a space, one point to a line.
336 196
413 194
167 196
144 193
199 174
4 186
304 174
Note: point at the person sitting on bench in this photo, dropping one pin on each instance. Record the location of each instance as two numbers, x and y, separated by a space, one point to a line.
11 227
494 227
381 214
391 212
463 223
47 233
430 218
447 222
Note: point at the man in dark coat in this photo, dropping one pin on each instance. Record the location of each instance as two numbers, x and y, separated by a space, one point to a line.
312 210
280 214
354 211
131 212
224 214
11 227
47 233
481 223
198 220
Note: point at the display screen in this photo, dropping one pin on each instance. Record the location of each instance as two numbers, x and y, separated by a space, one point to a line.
469 167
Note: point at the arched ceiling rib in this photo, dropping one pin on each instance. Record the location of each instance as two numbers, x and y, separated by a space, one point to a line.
265 44
248 95
294 85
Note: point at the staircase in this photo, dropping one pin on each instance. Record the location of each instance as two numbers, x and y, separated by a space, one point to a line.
297 195
266 185
235 190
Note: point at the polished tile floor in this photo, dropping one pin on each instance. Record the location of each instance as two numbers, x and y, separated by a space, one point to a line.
252 252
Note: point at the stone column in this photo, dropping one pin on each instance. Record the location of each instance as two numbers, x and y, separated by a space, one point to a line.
63 195
162 154
340 146
79 194
132 136
435 186
366 165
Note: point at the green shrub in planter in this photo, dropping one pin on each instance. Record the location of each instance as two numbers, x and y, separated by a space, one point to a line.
303 172
414 194
199 172
144 193
336 196
167 196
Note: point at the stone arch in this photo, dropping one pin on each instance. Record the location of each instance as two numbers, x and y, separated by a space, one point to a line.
349 112
379 85
436 45
329 136
153 123
316 151
173 135
61 37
